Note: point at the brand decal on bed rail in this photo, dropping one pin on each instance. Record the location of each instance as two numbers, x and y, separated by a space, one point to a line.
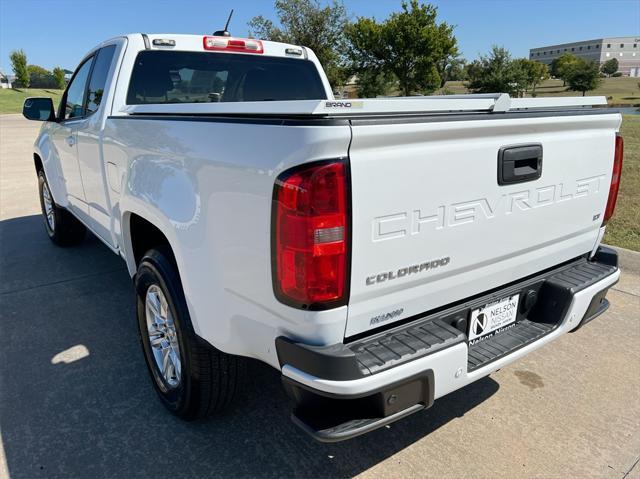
343 104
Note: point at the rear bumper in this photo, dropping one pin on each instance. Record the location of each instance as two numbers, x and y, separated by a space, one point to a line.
341 391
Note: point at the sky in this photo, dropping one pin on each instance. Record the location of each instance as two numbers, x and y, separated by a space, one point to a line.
60 32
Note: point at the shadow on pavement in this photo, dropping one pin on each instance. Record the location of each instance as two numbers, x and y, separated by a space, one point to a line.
98 416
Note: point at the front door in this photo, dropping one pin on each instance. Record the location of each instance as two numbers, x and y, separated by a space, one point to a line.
64 136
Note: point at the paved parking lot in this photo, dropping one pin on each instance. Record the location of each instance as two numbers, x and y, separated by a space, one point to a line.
75 400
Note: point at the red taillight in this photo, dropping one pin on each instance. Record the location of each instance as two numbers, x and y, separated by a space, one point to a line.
310 244
615 180
228 44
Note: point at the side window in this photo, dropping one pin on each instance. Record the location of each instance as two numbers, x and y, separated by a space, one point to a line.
74 98
99 78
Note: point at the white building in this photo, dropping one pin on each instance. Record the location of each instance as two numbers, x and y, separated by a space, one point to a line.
625 49
5 81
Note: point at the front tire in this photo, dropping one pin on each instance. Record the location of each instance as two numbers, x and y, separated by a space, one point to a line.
62 227
192 379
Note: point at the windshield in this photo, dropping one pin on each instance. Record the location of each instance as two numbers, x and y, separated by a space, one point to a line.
205 77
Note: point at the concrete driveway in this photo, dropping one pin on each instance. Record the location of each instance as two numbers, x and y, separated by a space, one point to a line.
75 400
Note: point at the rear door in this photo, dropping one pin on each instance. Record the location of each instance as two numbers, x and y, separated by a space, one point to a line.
434 222
89 133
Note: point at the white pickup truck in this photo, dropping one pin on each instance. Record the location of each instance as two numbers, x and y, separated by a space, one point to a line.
380 253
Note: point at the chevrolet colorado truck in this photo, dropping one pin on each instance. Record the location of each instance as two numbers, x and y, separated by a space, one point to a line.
379 253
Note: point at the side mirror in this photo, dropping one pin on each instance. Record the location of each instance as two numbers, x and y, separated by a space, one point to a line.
39 109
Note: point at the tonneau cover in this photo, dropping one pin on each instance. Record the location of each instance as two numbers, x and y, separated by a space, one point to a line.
498 102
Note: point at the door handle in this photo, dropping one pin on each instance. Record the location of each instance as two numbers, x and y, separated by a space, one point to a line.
519 164
70 140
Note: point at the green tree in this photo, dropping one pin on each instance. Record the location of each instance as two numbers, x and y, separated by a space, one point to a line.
610 67
58 74
451 68
372 83
37 69
584 76
497 73
40 77
307 23
561 66
534 72
19 66
409 44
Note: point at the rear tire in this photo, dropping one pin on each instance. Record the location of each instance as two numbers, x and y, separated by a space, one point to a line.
192 379
62 227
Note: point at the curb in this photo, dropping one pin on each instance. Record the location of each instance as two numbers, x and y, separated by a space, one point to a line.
629 259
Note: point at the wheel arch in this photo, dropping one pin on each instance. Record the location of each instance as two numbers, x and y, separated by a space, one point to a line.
141 234
141 231
45 159
37 162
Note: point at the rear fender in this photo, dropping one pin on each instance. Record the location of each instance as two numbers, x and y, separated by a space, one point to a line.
160 191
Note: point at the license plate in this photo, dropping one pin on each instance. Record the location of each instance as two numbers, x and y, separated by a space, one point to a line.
493 318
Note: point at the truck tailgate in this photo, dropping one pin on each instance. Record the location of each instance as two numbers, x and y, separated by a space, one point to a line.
432 225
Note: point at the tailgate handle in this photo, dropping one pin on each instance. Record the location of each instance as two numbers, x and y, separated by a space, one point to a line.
519 164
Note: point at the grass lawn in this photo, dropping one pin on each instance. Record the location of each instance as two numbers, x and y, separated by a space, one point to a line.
624 228
619 91
11 100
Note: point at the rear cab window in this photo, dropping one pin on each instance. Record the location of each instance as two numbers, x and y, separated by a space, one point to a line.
208 77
